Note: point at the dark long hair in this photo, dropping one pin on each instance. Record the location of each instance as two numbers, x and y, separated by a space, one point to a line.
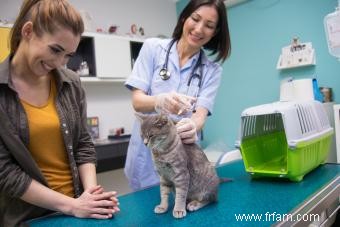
220 42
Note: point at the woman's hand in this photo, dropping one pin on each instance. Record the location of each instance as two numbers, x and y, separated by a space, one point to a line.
186 128
95 203
173 103
101 190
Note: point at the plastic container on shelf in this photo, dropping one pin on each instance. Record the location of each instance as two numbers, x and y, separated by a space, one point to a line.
332 30
284 139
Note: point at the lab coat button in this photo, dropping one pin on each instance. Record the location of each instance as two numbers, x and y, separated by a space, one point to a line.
66 131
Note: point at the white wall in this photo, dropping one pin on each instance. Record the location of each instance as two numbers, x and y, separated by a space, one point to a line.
155 16
9 9
111 102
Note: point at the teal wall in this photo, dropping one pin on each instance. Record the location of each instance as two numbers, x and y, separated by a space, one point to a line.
259 29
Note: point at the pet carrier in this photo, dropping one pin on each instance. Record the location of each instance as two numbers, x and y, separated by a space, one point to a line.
284 139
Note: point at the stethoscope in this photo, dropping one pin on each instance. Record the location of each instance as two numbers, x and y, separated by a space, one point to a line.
165 74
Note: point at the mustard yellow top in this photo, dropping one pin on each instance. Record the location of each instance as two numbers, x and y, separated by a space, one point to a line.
47 145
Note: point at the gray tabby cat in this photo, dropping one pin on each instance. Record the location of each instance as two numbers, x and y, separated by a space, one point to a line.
183 168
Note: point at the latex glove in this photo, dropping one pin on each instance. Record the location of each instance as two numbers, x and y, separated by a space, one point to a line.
174 103
186 128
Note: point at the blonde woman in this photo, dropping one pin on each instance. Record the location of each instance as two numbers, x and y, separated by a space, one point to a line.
47 157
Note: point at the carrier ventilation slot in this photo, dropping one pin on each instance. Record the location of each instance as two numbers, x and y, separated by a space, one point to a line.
248 127
261 124
269 123
323 118
305 115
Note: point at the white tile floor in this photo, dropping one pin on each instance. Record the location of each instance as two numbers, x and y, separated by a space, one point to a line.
114 180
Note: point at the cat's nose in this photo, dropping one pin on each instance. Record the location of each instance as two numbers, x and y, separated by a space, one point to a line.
145 141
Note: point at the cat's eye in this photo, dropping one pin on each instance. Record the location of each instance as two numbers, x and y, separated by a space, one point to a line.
148 135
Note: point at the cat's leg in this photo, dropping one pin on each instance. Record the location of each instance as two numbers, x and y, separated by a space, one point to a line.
195 205
165 191
181 187
204 196
180 202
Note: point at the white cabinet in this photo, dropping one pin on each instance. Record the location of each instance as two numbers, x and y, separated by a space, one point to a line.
112 56
109 57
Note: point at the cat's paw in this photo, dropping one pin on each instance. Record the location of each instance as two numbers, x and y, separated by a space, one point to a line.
159 209
195 205
179 213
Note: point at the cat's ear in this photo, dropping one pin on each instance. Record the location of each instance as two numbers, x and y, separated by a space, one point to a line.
140 116
161 121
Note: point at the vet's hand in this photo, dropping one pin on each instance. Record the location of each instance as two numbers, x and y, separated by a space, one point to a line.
174 103
95 203
186 128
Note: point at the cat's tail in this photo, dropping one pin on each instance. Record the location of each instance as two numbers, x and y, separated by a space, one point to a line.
225 179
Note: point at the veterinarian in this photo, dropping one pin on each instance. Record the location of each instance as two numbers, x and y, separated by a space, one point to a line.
174 76
47 157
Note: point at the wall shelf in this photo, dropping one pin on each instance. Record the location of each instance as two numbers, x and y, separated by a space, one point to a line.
92 79
296 55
